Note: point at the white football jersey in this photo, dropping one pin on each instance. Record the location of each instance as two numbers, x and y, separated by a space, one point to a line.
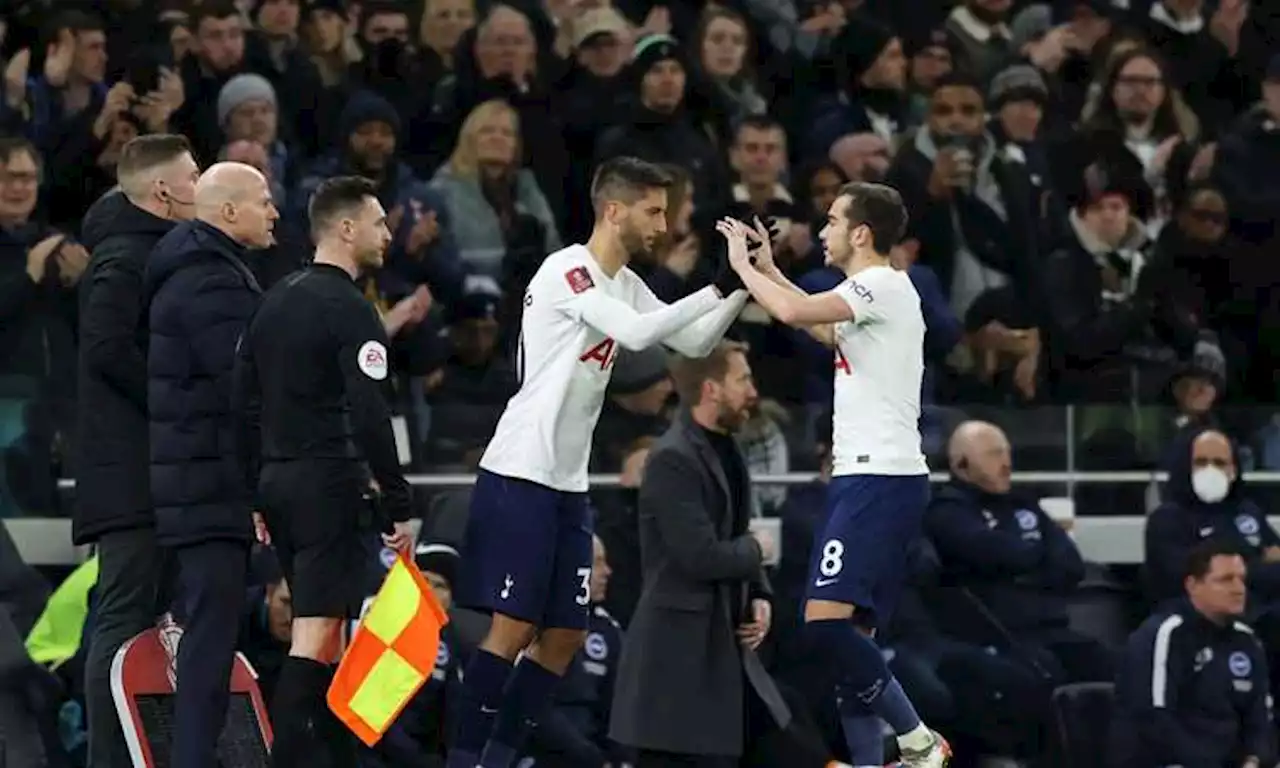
574 315
879 362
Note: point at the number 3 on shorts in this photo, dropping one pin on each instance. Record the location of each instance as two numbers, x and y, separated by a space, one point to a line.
584 598
832 561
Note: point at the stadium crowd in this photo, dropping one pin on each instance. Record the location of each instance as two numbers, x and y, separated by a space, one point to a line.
1093 187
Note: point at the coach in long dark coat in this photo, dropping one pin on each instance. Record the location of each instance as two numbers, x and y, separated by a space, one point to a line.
683 677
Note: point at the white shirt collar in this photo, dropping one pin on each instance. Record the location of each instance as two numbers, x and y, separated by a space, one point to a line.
1185 26
978 29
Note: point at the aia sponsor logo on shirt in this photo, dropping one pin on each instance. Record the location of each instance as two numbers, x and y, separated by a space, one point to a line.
579 279
602 354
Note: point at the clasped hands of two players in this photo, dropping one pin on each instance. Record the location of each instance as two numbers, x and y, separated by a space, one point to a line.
749 248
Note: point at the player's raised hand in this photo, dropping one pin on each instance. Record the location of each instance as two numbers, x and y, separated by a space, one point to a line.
735 236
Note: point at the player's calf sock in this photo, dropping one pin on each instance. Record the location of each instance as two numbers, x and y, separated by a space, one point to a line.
864 673
299 697
528 695
482 682
334 737
863 729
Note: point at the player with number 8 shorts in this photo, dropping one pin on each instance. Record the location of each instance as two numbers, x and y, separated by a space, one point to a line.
880 484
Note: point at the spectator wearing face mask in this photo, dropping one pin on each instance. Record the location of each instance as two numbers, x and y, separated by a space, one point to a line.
1205 499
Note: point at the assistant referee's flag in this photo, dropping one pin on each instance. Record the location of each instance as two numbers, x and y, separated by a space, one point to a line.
391 655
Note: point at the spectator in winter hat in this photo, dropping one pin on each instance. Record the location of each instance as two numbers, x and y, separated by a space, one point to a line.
670 120
930 59
636 405
248 111
871 75
1018 100
423 250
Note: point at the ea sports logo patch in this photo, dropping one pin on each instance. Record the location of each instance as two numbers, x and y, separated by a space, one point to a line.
372 360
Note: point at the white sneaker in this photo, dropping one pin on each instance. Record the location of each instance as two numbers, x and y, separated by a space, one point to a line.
937 755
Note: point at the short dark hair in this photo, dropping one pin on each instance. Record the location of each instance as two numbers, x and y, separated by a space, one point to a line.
689 373
380 8
958 79
626 179
1200 559
335 198
75 21
12 145
880 207
758 123
216 10
144 153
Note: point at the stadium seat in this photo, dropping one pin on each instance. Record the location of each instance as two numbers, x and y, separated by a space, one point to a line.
1081 718
1099 608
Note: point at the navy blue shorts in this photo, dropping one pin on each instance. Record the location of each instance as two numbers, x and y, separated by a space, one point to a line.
527 553
860 558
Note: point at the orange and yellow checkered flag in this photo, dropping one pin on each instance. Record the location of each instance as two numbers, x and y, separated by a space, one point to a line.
391 655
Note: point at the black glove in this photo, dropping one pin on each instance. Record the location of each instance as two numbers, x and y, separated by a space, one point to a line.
727 281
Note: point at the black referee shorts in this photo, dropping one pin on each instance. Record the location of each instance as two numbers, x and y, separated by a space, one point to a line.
314 510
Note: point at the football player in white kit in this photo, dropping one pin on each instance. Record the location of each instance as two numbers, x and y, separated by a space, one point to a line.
880 484
528 549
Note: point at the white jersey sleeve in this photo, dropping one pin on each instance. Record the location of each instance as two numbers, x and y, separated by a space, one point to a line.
574 319
858 293
698 338
879 366
617 318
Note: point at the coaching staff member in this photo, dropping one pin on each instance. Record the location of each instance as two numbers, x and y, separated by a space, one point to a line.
202 294
689 673
317 434
1193 686
157 178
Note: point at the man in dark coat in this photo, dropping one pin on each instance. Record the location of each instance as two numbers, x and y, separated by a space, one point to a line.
201 296
689 667
113 507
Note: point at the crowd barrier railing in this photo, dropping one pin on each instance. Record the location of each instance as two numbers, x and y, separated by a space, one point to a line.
46 541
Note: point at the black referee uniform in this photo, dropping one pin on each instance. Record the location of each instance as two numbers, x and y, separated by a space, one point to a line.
315 429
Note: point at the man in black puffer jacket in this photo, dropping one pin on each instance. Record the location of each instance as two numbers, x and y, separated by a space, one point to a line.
113 507
201 296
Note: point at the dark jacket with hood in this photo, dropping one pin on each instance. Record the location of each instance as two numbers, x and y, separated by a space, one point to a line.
201 296
1183 521
439 267
112 470
1008 552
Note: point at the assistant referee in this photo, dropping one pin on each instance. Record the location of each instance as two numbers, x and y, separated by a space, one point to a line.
316 434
